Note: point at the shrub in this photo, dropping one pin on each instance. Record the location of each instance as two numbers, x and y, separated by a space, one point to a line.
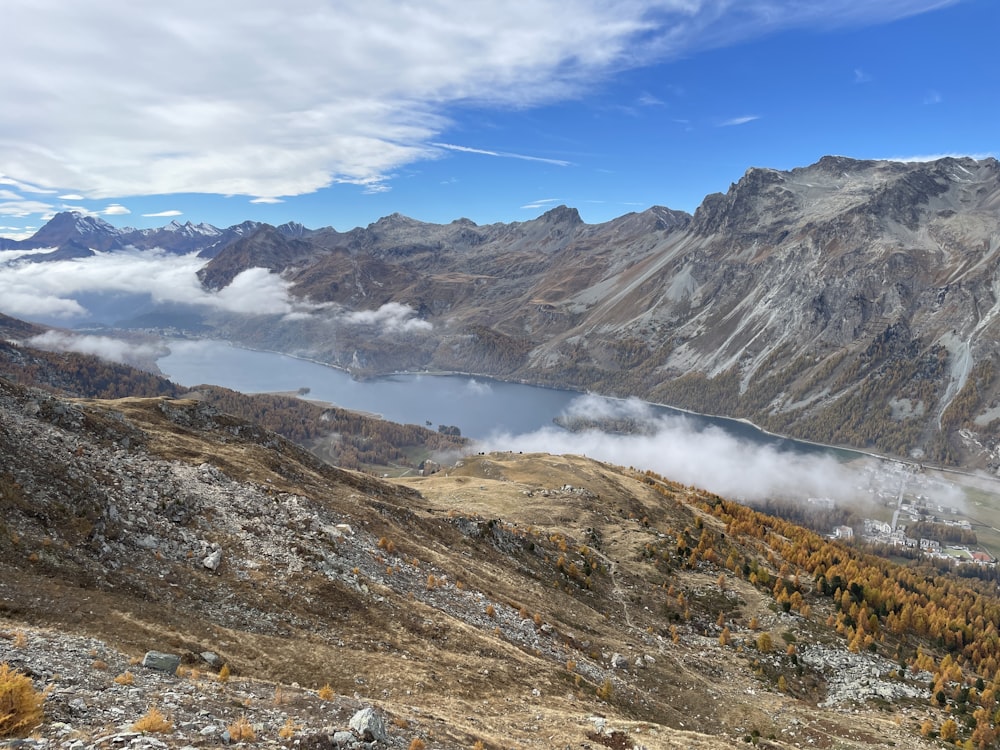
764 643
153 721
288 729
417 744
606 690
20 703
325 693
490 611
224 673
125 678
241 730
20 639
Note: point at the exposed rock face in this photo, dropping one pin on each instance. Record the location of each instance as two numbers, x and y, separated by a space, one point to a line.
808 301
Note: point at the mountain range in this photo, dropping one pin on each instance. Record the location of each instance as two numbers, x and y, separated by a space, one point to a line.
511 600
848 302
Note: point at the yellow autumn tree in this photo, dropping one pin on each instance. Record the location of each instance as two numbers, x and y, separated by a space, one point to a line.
949 730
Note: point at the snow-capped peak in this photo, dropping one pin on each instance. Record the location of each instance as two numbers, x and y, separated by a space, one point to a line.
192 230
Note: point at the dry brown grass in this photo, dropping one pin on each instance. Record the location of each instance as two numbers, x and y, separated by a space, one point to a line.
125 678
224 673
513 670
325 693
153 721
20 639
417 744
20 704
241 730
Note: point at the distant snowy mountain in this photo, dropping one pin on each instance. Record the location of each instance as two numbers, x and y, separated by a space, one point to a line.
75 235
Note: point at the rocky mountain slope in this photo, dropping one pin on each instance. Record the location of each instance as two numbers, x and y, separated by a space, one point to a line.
346 438
849 302
508 600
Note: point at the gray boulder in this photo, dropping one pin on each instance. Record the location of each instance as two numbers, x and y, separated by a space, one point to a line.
161 662
369 725
213 559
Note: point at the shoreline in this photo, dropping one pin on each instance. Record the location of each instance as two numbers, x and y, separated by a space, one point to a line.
859 453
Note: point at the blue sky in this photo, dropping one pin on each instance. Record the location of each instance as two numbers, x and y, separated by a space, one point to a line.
330 115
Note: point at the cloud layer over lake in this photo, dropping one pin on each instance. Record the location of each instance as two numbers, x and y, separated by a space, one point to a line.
677 448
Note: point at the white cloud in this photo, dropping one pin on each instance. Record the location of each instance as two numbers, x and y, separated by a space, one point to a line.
391 317
648 100
6 256
16 233
115 209
860 76
253 291
738 121
49 289
20 208
503 154
24 187
71 197
267 200
672 446
542 203
161 214
263 99
105 347
477 388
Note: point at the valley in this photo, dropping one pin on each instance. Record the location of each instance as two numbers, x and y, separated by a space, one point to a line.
590 570
848 302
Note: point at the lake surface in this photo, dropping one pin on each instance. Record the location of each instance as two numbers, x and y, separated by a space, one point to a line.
480 407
